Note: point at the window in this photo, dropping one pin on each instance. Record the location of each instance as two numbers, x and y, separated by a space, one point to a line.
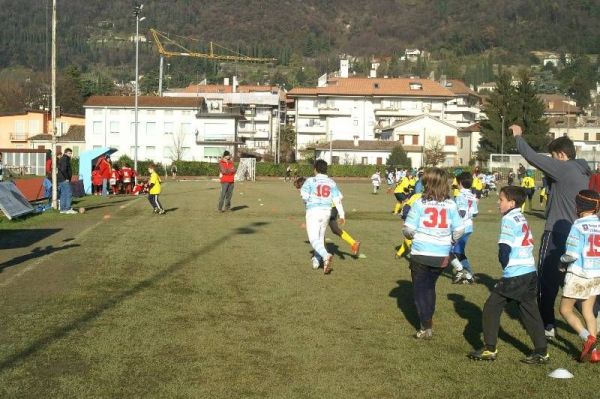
355 122
168 127
115 112
379 161
364 160
150 112
150 152
97 127
415 86
115 127
461 145
186 128
150 128
586 136
167 152
20 127
597 136
168 112
450 140
415 140
34 127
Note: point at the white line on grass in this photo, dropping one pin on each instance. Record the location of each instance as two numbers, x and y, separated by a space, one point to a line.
44 258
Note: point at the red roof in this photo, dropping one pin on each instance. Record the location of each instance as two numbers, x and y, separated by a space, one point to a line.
411 87
144 101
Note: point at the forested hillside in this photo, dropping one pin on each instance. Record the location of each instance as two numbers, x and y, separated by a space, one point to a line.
90 30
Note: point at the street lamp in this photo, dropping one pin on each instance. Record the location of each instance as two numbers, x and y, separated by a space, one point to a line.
137 10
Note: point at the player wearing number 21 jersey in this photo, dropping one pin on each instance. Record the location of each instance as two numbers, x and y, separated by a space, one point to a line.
515 232
320 193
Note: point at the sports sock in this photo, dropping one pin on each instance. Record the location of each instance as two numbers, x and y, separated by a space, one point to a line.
456 265
346 237
397 207
467 266
584 334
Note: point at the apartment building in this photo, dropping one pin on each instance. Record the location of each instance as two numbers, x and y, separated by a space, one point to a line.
17 128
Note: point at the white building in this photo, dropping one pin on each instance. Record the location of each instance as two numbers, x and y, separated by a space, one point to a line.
262 106
349 107
168 128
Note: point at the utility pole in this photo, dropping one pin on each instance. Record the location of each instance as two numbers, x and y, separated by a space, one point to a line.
502 145
53 110
136 11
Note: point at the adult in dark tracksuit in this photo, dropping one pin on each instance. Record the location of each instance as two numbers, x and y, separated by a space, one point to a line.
566 177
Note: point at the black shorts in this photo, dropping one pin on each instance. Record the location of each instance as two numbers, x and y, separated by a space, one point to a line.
519 288
400 197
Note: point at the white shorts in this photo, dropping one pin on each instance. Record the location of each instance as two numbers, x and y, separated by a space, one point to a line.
113 182
578 287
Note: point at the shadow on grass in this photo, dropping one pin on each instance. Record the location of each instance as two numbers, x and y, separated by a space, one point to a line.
105 204
37 252
403 294
472 332
81 322
24 237
239 208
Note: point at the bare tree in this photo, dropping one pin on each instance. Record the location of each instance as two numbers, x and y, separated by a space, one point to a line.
178 149
434 152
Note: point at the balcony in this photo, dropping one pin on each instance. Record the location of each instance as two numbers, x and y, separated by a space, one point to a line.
19 137
315 129
332 111
452 108
308 111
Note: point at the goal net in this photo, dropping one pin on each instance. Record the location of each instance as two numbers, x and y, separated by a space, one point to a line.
246 169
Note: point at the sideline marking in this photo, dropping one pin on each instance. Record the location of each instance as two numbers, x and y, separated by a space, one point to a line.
39 260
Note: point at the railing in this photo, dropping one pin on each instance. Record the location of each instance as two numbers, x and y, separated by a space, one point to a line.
19 137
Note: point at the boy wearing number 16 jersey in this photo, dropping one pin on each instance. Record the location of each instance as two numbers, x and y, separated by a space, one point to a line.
320 193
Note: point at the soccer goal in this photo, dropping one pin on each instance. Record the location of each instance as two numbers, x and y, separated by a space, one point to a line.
246 169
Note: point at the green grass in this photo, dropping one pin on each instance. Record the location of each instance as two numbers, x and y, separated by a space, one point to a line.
206 305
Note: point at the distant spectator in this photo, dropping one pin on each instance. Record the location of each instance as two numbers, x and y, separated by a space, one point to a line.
96 182
127 174
226 176
105 171
63 177
173 170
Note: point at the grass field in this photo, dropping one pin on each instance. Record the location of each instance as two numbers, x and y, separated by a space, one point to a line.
118 302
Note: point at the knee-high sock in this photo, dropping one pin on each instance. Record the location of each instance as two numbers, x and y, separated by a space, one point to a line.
348 238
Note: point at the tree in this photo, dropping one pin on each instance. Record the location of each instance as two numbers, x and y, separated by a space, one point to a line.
287 137
398 157
178 149
434 152
518 105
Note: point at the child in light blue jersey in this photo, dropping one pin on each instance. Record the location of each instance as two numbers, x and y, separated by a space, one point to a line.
582 281
518 282
433 224
466 203
320 193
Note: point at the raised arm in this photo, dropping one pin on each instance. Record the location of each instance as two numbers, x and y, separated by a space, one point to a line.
548 165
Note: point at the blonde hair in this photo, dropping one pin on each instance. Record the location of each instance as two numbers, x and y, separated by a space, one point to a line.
435 181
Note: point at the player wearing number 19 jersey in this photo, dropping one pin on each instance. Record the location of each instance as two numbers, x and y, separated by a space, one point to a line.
320 193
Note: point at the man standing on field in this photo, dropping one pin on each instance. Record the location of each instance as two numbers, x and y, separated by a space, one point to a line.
226 176
566 177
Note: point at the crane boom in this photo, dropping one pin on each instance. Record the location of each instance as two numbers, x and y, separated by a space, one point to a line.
237 57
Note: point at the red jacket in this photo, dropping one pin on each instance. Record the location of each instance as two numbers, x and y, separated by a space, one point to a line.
96 178
104 168
227 170
594 183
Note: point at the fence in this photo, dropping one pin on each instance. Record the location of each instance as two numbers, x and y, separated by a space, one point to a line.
19 162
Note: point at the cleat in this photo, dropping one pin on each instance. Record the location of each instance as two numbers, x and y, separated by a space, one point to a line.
536 358
468 281
458 278
424 334
588 346
355 248
162 212
550 334
315 263
595 356
483 354
327 265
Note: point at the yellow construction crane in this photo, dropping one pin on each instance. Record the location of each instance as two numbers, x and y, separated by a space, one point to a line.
234 56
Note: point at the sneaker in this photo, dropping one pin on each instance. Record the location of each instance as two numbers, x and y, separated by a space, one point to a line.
458 278
162 212
536 358
588 346
426 334
68 212
468 280
483 354
315 263
355 248
327 265
155 210
595 356
550 334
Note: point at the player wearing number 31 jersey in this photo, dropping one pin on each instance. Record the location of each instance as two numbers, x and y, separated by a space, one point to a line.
433 223
320 193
